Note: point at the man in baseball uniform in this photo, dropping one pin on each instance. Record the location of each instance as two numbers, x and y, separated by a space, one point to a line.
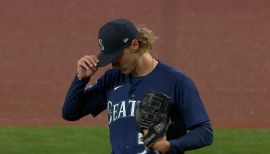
134 73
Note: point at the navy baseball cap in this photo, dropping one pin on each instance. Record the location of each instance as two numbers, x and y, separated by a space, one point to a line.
113 37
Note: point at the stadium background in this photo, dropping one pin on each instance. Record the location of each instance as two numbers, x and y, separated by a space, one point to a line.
222 45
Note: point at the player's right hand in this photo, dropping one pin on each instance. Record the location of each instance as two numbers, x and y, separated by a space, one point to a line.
87 66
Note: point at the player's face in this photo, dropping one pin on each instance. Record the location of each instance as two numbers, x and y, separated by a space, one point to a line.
127 61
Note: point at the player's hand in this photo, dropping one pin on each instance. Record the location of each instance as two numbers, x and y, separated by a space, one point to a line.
87 66
162 145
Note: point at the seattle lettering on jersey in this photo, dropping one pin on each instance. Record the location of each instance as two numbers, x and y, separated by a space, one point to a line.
121 109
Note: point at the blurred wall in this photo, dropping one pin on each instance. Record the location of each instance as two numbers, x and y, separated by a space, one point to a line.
223 45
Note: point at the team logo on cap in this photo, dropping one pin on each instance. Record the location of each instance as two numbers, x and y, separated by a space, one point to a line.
100 44
125 40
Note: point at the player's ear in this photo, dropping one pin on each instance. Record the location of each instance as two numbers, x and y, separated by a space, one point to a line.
135 45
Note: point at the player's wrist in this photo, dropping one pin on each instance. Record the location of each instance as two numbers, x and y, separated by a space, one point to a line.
85 80
162 146
82 78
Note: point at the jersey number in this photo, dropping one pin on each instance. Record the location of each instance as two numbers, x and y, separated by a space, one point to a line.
141 143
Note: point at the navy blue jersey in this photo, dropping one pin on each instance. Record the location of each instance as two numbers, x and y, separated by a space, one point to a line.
120 94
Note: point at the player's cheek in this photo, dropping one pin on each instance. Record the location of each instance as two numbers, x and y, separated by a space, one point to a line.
126 62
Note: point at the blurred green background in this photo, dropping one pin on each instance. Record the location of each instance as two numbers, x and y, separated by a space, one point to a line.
88 140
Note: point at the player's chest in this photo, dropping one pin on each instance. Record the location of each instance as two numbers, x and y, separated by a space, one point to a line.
122 101
124 97
135 89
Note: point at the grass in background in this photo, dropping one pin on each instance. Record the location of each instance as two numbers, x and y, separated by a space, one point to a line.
237 141
95 140
54 140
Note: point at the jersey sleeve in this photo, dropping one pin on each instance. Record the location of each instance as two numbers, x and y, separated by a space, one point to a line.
96 94
81 101
199 136
190 103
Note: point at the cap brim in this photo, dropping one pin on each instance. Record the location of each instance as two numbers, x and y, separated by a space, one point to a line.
105 59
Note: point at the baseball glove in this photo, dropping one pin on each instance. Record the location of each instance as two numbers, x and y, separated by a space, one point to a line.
152 114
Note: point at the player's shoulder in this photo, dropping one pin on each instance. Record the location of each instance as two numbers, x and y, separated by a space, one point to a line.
176 77
171 72
114 74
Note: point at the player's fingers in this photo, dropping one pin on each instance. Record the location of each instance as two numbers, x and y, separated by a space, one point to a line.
145 131
84 61
91 59
83 64
88 61
96 59
93 69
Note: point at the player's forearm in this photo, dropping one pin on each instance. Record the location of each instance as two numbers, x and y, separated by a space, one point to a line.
71 109
198 137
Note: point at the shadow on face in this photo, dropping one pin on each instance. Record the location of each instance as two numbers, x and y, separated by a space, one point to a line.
126 62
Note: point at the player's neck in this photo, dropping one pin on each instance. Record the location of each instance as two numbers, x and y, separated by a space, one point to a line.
145 65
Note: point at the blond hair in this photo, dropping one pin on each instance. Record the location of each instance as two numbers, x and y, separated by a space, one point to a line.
146 38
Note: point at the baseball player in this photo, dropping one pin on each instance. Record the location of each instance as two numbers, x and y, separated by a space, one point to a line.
134 73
